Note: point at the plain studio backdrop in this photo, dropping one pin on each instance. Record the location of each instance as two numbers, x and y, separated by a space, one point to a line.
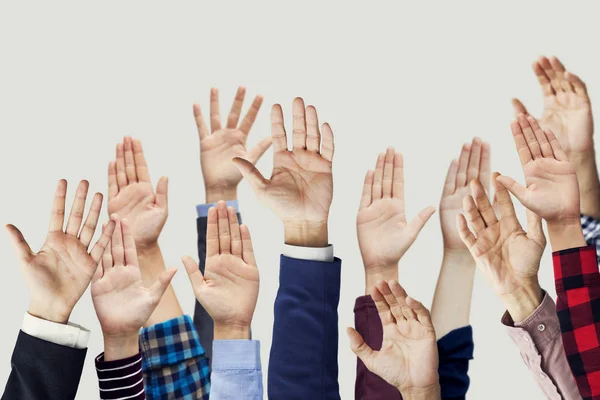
423 77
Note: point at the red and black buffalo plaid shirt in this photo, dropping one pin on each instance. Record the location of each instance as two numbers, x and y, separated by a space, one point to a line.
578 306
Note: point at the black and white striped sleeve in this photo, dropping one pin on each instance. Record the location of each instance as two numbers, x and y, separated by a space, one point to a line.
121 379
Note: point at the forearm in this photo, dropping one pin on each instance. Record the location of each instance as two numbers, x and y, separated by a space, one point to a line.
384 273
152 265
589 183
565 234
452 299
214 194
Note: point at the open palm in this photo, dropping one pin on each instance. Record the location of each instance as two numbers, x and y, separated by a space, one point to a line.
551 191
301 185
131 196
408 358
384 235
567 108
228 290
509 256
61 271
473 163
121 301
221 144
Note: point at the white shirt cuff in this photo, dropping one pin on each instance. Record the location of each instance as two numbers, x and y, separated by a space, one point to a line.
70 335
324 254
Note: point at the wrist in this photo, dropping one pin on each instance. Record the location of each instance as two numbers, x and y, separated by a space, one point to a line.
432 392
306 233
118 347
50 312
460 257
583 159
521 303
232 332
214 194
373 274
566 234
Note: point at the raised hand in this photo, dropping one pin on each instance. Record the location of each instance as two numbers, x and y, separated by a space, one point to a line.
384 235
567 108
220 145
61 271
131 196
551 189
508 256
121 301
300 189
473 163
408 358
228 290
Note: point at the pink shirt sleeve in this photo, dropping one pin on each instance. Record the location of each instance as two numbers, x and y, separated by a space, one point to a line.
539 340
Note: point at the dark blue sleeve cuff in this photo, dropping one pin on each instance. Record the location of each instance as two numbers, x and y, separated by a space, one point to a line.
455 350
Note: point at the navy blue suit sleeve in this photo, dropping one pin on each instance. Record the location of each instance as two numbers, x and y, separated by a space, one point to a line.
303 361
455 350
43 370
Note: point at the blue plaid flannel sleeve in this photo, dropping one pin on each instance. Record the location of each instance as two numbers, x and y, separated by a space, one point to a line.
173 360
591 232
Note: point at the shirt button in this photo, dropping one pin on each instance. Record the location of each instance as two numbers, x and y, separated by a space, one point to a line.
541 327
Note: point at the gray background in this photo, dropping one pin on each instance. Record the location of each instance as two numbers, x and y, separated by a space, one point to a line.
424 77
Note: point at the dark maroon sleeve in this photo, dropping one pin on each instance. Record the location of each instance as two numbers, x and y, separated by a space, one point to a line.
368 385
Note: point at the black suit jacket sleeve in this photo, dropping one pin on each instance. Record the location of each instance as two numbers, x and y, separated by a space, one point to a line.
203 322
43 370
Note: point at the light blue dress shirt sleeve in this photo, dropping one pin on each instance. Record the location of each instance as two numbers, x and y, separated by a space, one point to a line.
202 209
236 370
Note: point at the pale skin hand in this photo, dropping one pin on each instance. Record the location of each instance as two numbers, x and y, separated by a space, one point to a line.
300 189
508 256
384 235
221 144
451 307
59 274
473 163
228 290
121 301
567 108
552 190
131 196
408 358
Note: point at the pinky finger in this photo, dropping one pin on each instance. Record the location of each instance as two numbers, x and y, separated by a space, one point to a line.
247 249
327 145
422 313
559 154
103 241
464 232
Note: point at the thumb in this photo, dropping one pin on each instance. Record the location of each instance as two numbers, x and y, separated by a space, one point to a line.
534 227
518 107
19 242
258 150
194 273
162 192
518 190
162 283
249 171
420 220
358 346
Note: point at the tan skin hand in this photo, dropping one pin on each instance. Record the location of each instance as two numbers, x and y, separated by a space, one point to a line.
228 289
408 358
219 145
567 108
61 271
473 163
300 190
384 234
132 197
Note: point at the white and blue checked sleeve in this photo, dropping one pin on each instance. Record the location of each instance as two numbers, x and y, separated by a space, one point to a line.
174 362
591 232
